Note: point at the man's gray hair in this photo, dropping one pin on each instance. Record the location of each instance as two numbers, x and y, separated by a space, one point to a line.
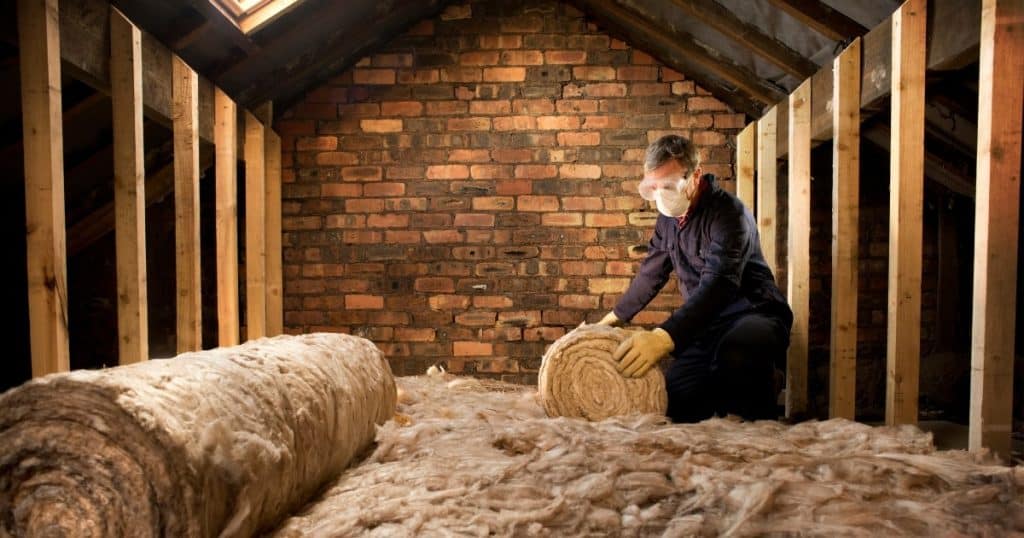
672 147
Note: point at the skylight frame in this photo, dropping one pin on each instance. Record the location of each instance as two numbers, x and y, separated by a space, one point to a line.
252 15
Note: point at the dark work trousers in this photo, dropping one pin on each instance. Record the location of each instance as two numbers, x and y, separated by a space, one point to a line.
728 370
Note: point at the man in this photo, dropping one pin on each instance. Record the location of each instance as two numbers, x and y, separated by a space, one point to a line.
731 334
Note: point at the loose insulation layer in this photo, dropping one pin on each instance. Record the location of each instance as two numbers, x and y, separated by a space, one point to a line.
220 442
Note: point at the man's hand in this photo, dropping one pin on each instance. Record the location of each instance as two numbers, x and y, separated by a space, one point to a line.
611 320
639 352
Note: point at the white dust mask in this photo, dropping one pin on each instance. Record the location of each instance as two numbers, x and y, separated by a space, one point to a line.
671 203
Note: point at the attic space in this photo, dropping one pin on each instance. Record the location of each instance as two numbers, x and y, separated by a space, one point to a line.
795 222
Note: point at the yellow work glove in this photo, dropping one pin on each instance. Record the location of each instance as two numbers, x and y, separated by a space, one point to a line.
639 352
610 319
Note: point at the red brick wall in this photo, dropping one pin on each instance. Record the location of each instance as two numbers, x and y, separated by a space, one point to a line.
467 194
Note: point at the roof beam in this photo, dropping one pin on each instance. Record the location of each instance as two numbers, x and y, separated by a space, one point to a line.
748 94
821 18
936 168
716 16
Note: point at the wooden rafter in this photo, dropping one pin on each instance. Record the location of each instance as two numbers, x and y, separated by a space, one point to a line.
821 18
716 16
799 246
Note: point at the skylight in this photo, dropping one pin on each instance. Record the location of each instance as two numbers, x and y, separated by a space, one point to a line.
251 15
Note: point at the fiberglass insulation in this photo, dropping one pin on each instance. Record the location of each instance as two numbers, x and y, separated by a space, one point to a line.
220 442
472 458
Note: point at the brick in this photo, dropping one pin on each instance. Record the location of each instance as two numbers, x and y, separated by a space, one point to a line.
501 41
582 268
474 219
460 74
514 186
364 302
388 221
602 122
515 123
364 205
509 155
583 106
405 172
373 76
443 236
470 348
434 285
361 173
521 318
562 219
648 89
448 302
447 171
558 122
492 301
579 138
469 156
608 285
605 220
522 57
504 74
401 108
622 170
691 121
562 57
580 171
582 203
445 108
490 107
521 24
359 110
301 223
708 138
415 334
381 126
345 221
619 268
419 76
591 72
637 72
340 190
489 171
493 203
705 103
384 189
538 203
730 121
321 143
586 302
683 88
604 89
641 58
336 158
479 58
536 171
469 124
533 106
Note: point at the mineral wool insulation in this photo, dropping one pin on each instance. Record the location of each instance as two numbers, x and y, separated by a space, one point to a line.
475 458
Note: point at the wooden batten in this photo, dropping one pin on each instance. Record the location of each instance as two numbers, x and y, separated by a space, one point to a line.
225 134
1001 86
186 206
767 186
275 276
799 246
255 228
39 54
845 214
906 196
746 163
129 188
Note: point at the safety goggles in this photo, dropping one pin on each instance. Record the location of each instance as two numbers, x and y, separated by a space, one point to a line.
649 186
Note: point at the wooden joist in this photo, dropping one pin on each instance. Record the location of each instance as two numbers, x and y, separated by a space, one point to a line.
821 18
723 20
226 136
275 275
1001 86
845 214
39 54
767 185
799 246
906 198
255 228
186 207
129 189
746 152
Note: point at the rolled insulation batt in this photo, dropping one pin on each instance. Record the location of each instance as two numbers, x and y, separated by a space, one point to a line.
220 442
578 378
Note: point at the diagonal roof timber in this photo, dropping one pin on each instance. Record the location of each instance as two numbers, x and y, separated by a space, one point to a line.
716 16
681 52
821 18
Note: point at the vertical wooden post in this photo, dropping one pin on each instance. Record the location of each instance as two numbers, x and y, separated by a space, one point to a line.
746 149
275 304
845 214
186 205
255 229
39 51
906 197
129 188
767 185
225 135
799 245
1000 89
